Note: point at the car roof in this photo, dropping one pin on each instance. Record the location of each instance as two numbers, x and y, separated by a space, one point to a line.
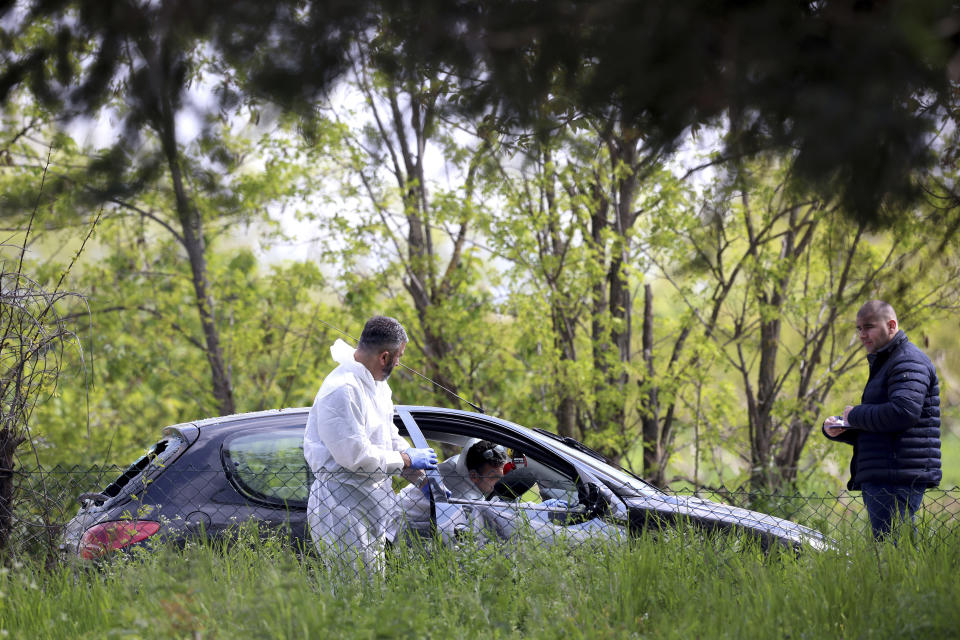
252 415
282 417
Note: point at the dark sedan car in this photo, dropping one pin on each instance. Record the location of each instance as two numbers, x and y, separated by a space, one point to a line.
205 477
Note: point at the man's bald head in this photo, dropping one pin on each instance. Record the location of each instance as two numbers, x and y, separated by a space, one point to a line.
877 310
876 325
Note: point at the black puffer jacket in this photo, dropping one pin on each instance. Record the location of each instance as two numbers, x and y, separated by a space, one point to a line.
896 428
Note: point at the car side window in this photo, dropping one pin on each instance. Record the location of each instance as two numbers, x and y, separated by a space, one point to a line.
269 467
521 479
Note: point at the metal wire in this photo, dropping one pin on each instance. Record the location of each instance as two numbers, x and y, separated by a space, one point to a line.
47 499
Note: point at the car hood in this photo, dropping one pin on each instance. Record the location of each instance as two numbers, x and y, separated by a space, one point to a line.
716 515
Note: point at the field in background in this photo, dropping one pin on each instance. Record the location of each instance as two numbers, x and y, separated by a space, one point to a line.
680 586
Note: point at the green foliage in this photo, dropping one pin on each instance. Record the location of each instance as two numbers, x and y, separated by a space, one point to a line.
149 346
498 249
146 371
772 276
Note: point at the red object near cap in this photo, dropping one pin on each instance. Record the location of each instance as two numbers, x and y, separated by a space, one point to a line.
517 461
110 536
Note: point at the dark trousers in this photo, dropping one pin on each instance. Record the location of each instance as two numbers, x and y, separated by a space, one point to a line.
890 504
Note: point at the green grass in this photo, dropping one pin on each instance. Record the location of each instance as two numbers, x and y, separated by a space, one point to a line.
679 587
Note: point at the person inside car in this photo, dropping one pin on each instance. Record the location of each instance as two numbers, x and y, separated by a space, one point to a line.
469 475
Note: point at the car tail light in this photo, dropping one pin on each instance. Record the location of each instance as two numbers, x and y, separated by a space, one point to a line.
109 536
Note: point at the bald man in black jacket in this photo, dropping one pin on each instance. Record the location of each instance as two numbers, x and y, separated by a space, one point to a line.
895 430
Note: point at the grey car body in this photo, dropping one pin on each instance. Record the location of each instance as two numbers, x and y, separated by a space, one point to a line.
205 477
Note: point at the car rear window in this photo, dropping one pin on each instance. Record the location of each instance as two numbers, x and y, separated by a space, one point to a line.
153 460
269 467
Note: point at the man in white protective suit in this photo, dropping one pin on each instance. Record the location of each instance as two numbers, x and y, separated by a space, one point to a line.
353 449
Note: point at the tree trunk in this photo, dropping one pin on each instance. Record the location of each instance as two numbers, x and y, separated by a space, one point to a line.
619 336
649 400
600 337
566 409
9 442
623 159
424 292
194 244
764 472
761 445
787 458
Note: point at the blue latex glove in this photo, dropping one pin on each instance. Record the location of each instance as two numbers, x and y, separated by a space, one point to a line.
555 502
422 458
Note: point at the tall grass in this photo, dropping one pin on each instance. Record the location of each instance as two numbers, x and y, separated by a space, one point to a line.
680 586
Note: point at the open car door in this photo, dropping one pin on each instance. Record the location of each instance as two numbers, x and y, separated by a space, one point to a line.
538 496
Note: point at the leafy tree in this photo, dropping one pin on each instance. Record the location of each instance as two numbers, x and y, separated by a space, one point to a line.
773 277
149 341
852 89
75 56
571 203
34 339
144 365
190 194
540 229
412 228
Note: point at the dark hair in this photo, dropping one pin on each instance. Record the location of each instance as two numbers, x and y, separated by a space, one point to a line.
382 333
484 453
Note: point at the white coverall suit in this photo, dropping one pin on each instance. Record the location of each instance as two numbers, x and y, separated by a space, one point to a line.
352 447
415 506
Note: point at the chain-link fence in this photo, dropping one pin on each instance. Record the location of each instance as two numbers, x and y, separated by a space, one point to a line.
84 511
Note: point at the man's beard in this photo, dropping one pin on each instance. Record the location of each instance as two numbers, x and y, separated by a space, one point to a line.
387 370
